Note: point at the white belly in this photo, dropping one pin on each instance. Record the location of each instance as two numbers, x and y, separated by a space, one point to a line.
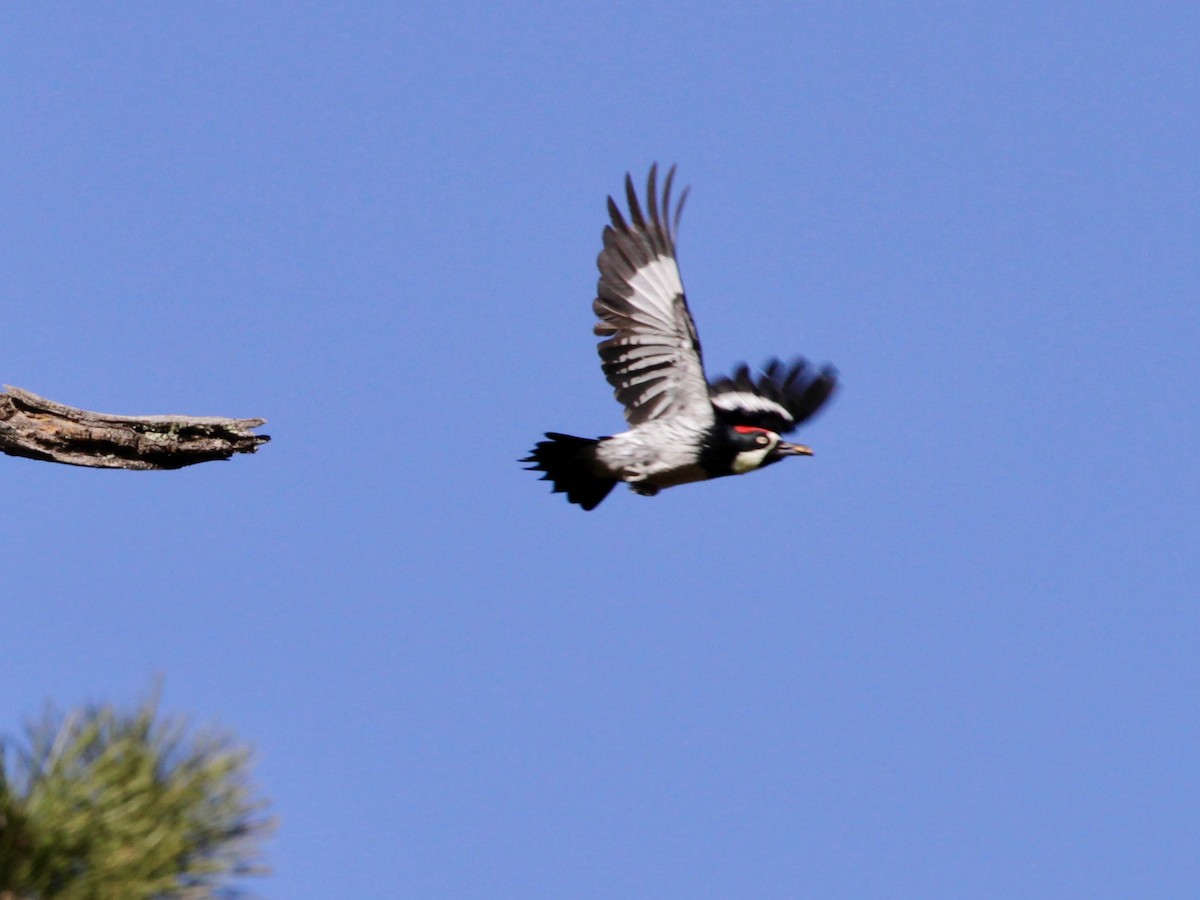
657 453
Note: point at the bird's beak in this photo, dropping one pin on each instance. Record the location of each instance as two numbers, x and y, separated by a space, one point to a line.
783 448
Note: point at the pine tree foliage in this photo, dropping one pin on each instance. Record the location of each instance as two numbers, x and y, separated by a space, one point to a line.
111 805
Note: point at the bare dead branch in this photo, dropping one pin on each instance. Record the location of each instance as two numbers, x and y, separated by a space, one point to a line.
37 428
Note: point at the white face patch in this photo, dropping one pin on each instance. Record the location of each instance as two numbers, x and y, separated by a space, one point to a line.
749 460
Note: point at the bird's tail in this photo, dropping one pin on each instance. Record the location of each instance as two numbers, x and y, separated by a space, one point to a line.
568 463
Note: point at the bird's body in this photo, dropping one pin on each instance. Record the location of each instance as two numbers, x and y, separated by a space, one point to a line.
683 428
658 454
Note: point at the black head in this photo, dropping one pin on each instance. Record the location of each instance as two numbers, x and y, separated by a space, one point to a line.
758 447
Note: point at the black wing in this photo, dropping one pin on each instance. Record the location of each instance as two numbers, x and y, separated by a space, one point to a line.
780 399
652 355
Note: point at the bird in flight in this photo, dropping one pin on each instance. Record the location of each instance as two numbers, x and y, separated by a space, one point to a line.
682 427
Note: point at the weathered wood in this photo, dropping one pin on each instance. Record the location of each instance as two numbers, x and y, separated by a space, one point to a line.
37 428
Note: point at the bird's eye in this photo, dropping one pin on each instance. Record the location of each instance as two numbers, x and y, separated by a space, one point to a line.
761 440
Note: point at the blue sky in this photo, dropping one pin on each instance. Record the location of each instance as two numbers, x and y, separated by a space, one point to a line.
952 655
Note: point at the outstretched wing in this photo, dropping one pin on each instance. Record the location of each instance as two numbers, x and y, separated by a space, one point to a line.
652 355
781 398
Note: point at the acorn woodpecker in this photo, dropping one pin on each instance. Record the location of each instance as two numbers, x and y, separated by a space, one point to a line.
683 428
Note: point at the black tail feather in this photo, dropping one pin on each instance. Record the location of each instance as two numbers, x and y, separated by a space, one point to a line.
567 462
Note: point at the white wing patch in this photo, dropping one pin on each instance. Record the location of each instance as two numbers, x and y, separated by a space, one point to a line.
658 284
740 401
780 398
651 356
